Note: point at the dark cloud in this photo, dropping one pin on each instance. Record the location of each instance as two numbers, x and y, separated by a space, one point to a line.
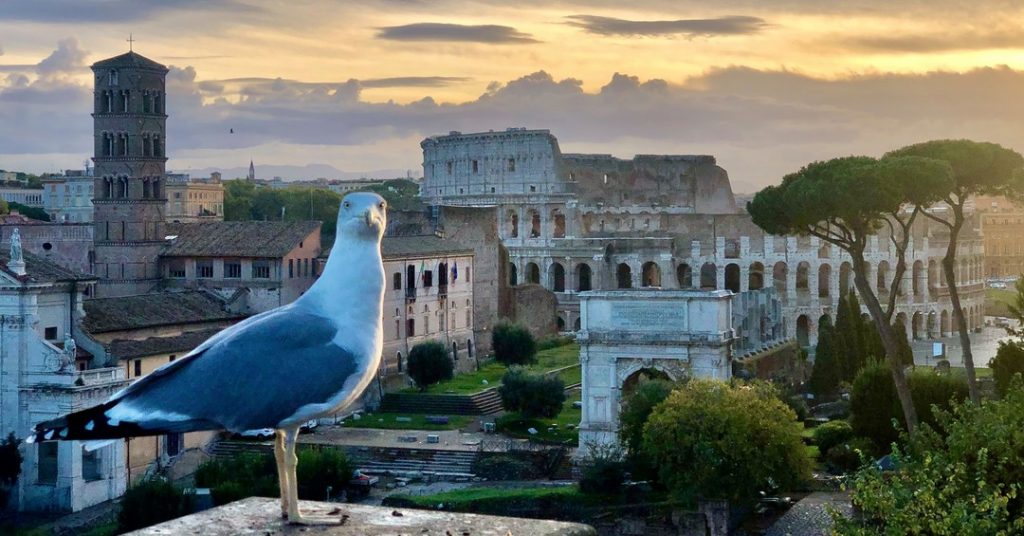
732 25
435 31
941 42
107 11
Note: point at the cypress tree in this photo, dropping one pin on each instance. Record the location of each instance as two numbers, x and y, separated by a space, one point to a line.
825 375
847 340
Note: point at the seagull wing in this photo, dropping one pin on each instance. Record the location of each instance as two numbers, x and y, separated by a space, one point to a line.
256 374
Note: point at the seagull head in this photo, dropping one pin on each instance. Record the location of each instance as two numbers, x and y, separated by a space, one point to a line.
362 216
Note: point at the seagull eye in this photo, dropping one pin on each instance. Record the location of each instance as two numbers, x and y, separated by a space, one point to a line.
381 205
346 204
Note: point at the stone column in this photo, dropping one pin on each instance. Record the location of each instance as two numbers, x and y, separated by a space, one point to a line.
744 275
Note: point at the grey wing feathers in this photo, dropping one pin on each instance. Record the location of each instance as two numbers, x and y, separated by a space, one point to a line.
253 377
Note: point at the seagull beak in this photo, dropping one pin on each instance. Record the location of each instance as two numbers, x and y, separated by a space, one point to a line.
371 218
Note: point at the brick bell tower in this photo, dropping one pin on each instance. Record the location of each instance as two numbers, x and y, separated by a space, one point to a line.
129 127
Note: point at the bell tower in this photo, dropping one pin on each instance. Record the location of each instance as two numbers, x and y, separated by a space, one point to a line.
129 130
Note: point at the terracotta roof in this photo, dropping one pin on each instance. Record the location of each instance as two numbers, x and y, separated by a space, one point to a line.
40 270
156 309
395 247
130 59
185 342
237 238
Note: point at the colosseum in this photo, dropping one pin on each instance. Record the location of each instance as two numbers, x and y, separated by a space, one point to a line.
577 222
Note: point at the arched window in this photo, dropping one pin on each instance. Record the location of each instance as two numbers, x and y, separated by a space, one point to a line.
583 278
398 360
513 224
708 276
534 224
559 219
624 276
651 275
557 277
469 347
732 277
755 278
684 276
513 277
824 280
532 273
112 77
802 276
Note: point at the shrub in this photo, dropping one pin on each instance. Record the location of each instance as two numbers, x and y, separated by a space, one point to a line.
10 466
503 468
874 405
554 342
513 344
831 434
710 439
961 478
151 502
847 456
1009 360
636 408
320 468
429 363
241 476
532 395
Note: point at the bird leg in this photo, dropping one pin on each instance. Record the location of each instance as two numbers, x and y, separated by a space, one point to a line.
291 461
282 472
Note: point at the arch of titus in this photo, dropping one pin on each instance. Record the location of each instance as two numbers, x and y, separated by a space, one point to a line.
678 333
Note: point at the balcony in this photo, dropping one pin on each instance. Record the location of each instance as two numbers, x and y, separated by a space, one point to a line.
92 378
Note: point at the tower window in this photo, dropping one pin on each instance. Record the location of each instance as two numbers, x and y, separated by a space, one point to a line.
147 105
158 106
112 77
108 101
124 101
511 164
476 167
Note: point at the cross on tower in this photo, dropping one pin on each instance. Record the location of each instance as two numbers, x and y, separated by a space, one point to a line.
130 41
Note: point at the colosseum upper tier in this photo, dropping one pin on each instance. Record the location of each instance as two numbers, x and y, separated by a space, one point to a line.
576 222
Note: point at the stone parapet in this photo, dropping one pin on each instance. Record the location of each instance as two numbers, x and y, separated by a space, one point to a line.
262 516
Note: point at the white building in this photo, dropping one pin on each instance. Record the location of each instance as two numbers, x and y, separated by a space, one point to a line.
30 197
44 375
67 198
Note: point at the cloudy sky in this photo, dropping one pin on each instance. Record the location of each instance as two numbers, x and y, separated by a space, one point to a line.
764 85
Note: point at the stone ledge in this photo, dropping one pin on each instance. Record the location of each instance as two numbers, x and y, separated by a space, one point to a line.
262 516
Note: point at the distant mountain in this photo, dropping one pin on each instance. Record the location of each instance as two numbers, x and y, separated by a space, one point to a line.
291 173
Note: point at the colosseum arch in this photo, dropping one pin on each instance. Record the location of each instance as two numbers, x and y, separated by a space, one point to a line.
513 275
933 275
513 224
651 274
802 276
780 277
755 277
684 275
557 274
709 276
882 277
944 323
803 331
824 280
584 277
732 277
558 220
845 277
623 276
532 273
534 223
918 281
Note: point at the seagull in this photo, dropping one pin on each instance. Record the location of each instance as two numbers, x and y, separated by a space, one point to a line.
278 369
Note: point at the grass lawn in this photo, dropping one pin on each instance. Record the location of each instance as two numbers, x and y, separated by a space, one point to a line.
980 372
389 421
512 425
463 499
492 371
996 300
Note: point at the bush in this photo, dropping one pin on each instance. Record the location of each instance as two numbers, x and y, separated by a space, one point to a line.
961 478
847 456
241 476
151 502
429 363
320 468
874 404
603 470
513 345
10 466
709 439
1009 360
503 468
831 434
637 407
533 396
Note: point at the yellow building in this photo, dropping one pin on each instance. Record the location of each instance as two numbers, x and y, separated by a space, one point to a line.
194 200
1002 226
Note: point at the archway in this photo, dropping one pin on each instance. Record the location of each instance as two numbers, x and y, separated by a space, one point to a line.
780 274
559 221
933 275
918 277
557 277
802 276
916 322
534 224
651 275
561 323
944 323
513 224
755 278
532 273
684 276
803 331
513 276
732 277
845 277
583 277
708 276
624 276
643 375
824 280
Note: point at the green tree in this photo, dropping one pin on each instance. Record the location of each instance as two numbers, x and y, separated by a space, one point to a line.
429 363
825 375
320 469
533 396
977 168
845 201
35 213
905 355
713 440
1008 362
848 351
962 478
513 344
831 434
636 408
10 466
151 502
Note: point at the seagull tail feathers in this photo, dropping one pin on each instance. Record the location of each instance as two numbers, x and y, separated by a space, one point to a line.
94 425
